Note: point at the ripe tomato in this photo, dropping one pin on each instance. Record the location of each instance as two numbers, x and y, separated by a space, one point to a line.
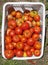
18 14
25 26
18 30
9 54
23 39
37 45
30 19
8 31
9 46
31 30
35 36
29 53
27 33
37 29
19 53
37 18
33 23
12 33
30 41
32 50
16 38
37 52
14 44
13 13
38 23
12 24
14 51
19 45
26 47
30 23
8 39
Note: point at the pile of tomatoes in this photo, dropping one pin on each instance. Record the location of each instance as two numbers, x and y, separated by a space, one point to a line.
22 34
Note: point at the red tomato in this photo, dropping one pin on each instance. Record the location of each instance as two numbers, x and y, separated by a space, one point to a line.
27 33
37 29
16 38
14 44
32 50
8 31
25 17
25 26
12 33
12 24
37 52
23 39
13 13
18 14
37 18
18 30
19 53
9 54
30 19
26 47
9 46
30 41
14 51
31 30
29 53
20 45
37 45
30 23
35 36
8 39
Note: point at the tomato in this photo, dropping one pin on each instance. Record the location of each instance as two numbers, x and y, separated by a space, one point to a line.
19 22
32 50
9 46
19 53
13 13
23 39
25 26
26 47
37 29
18 14
14 44
33 23
37 52
18 30
12 24
12 33
37 18
14 51
38 23
24 54
19 45
26 12
29 53
30 19
16 38
31 30
35 36
9 54
8 39
8 31
30 41
27 33
30 23
37 45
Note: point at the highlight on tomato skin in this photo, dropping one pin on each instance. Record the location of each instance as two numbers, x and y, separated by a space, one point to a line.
22 36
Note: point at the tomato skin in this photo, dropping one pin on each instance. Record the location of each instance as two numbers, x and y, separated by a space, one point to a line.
35 36
26 47
13 13
18 14
37 52
37 29
18 30
38 23
37 45
37 18
27 33
8 39
9 46
30 19
31 30
29 53
16 38
32 50
12 24
34 23
12 33
9 54
25 26
20 45
19 53
30 41
14 44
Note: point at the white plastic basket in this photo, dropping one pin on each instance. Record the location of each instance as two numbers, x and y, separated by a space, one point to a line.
29 5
